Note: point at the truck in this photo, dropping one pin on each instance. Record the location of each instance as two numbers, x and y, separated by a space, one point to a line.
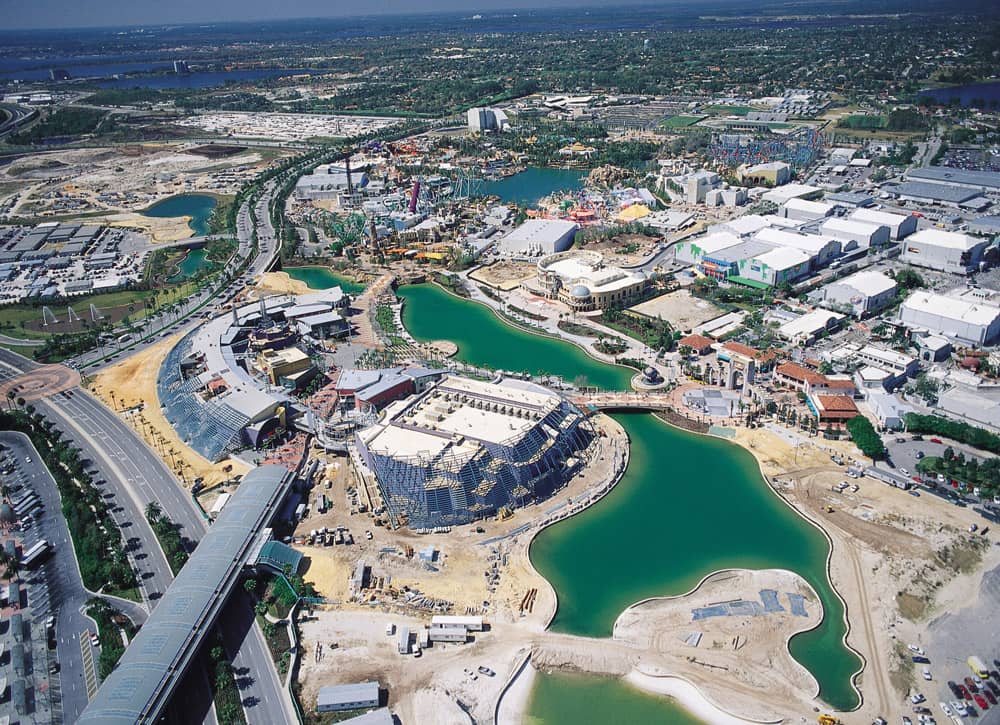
978 667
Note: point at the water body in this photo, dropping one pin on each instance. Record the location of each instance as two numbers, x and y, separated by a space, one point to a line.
196 79
323 278
687 505
559 699
534 183
194 261
197 206
432 314
973 94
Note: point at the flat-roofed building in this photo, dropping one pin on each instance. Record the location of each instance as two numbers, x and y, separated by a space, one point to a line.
807 328
782 194
900 225
538 237
822 248
947 176
861 294
863 234
693 250
776 267
965 318
805 210
956 196
945 251
771 173
334 698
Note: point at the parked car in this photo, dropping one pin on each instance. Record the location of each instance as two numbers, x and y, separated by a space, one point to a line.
981 701
971 685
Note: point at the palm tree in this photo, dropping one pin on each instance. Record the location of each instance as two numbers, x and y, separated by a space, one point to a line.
153 512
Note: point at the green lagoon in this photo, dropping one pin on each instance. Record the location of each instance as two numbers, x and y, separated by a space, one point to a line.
323 278
535 182
197 206
687 505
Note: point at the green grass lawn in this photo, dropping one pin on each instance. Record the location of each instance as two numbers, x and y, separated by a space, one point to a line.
680 121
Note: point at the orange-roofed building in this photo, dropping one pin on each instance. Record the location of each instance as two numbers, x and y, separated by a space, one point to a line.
835 409
764 359
699 343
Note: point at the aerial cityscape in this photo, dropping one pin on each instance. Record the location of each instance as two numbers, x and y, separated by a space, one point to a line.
564 364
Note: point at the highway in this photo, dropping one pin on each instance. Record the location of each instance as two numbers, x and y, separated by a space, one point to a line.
134 476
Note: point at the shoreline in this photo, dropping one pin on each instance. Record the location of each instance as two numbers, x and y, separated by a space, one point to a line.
767 482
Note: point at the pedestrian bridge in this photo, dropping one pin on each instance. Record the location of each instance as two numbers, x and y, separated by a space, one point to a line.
594 402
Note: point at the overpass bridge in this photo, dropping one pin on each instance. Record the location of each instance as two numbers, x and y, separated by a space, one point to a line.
160 655
594 402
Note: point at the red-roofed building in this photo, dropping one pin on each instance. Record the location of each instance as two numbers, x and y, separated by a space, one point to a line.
836 409
764 359
699 343
797 376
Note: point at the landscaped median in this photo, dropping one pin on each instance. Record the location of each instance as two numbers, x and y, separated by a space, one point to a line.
97 540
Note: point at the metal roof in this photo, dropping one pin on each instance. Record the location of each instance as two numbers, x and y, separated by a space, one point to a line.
347 694
959 177
156 660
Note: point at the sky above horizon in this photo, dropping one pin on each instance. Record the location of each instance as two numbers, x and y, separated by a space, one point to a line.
25 14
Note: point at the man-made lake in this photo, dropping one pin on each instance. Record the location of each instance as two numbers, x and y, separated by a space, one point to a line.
197 206
533 184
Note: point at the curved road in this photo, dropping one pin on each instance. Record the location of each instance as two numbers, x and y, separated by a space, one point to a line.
135 476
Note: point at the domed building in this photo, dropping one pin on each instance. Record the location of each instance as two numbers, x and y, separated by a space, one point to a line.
581 280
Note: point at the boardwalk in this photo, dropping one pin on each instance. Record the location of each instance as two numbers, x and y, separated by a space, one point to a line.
623 401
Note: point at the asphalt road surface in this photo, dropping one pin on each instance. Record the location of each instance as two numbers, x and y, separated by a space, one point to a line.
133 476
53 587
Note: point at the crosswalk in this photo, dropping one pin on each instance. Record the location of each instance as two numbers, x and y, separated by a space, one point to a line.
89 671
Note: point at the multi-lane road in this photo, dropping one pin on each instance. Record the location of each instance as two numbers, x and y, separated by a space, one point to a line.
133 476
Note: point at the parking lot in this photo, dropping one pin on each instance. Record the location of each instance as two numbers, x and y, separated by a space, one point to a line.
953 638
53 672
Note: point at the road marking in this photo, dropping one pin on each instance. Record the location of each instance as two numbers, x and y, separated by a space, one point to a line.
89 673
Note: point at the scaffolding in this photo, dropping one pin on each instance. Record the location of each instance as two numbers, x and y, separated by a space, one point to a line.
798 149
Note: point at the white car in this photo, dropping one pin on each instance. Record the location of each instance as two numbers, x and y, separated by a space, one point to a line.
959 708
904 471
917 699
916 650
927 674
945 709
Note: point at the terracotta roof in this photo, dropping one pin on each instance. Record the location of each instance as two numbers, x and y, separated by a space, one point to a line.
798 372
837 403
742 349
838 383
698 342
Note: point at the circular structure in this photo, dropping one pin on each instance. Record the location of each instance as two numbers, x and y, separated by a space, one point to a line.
580 291
40 383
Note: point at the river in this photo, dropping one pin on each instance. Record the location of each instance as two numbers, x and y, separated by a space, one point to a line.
686 506
534 183
197 206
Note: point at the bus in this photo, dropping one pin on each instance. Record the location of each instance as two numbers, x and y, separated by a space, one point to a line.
978 667
35 554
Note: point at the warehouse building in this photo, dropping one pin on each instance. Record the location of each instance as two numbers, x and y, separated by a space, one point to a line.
466 449
863 234
334 698
804 210
694 249
861 294
945 251
900 225
775 268
946 176
821 248
538 237
925 193
970 317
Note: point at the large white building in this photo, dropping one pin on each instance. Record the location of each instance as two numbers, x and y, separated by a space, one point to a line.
538 237
968 317
860 294
804 210
581 280
822 249
900 225
863 234
945 251
486 119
